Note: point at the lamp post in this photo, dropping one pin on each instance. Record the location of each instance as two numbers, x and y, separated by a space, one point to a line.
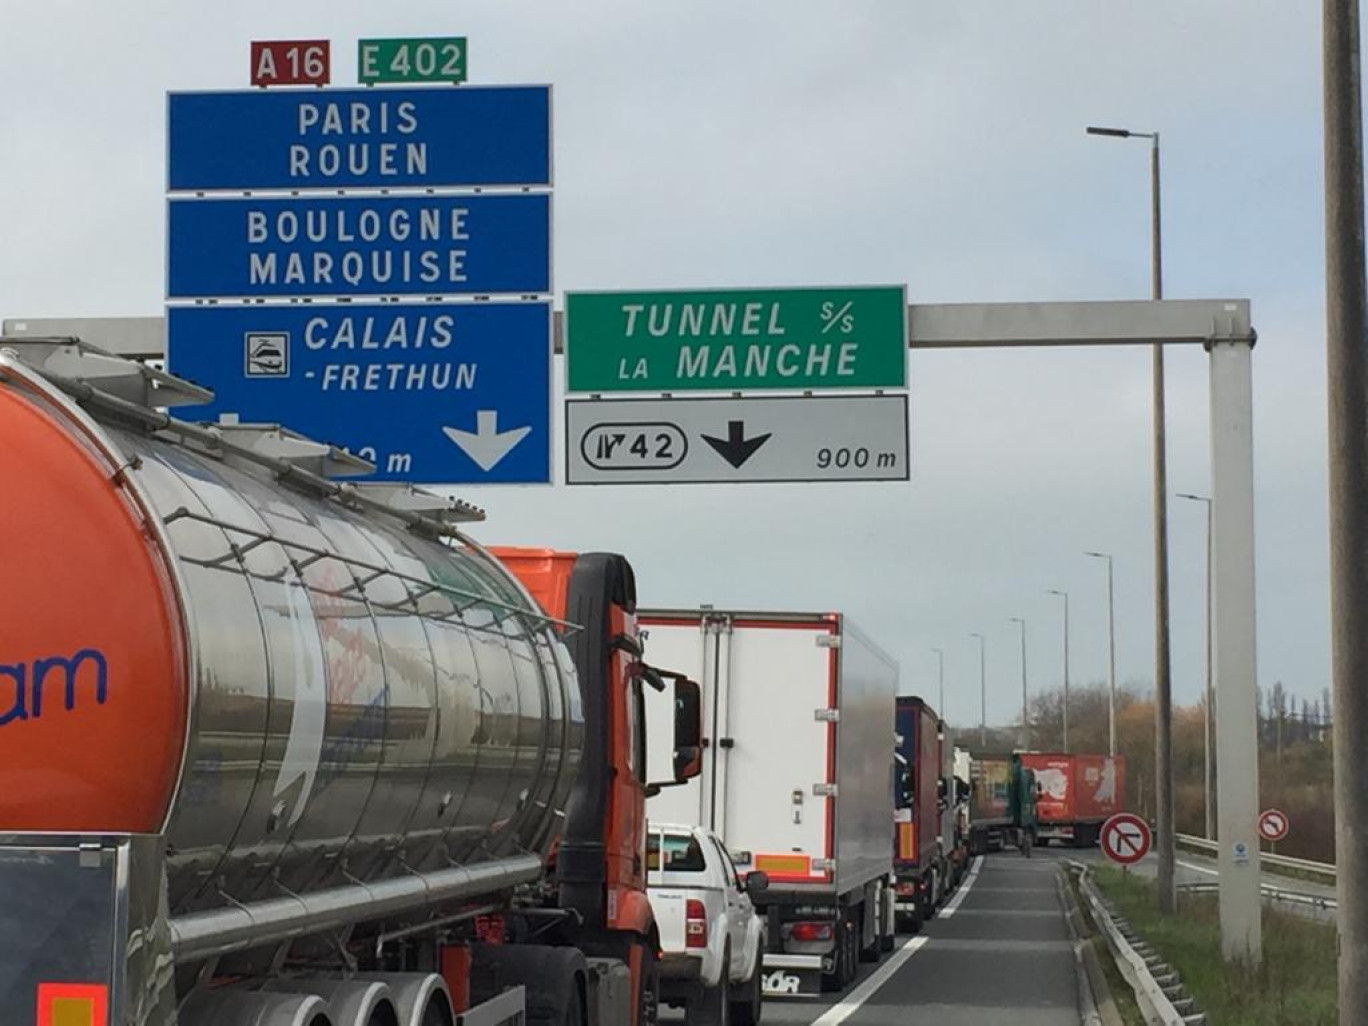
1065 596
1163 692
1209 812
1111 654
1025 717
940 660
983 694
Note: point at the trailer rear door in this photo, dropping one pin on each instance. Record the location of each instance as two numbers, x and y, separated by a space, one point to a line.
770 746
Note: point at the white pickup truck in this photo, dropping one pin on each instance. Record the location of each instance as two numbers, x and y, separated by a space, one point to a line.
711 940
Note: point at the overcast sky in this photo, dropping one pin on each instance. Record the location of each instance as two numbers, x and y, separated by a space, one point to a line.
780 143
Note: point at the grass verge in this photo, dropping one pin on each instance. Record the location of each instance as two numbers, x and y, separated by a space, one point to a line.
1295 985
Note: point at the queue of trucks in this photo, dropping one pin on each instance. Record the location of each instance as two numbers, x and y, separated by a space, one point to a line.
277 748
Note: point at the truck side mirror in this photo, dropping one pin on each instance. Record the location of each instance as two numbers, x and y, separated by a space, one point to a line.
688 730
757 882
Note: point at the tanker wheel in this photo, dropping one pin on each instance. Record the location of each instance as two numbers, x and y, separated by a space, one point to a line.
435 1014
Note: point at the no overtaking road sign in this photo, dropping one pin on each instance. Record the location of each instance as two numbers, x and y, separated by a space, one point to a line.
1126 838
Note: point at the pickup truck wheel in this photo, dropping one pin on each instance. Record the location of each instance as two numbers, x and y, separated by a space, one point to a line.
745 1009
713 1007
648 1000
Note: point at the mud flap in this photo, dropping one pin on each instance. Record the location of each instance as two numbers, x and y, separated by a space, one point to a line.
792 975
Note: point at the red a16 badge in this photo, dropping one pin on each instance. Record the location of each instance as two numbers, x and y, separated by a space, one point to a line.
280 62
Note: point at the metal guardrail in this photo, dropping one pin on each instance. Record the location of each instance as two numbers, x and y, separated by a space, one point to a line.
1270 892
1212 848
1151 995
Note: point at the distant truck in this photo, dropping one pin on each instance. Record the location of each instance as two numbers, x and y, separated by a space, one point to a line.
1077 793
956 812
798 715
920 866
1002 806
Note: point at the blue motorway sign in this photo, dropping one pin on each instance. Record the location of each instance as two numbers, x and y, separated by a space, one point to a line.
356 138
453 393
359 246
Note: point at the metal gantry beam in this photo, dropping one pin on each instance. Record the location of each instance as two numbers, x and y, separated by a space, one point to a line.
930 325
1224 328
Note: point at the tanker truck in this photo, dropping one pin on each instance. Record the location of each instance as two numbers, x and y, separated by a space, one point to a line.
280 749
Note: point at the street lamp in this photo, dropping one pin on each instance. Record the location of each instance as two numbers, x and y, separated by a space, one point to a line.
1207 790
1025 718
1163 687
940 659
1065 596
1111 654
983 695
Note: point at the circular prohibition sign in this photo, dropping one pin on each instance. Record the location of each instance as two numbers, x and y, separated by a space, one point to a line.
1273 824
1126 838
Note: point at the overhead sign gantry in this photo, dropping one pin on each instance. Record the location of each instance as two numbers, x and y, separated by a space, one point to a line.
373 264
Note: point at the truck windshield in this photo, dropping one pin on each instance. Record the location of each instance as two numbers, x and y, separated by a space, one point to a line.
674 853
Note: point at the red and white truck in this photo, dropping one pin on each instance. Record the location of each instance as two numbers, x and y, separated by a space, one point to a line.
1075 794
797 731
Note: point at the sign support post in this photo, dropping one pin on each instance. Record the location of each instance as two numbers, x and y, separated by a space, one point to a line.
1237 802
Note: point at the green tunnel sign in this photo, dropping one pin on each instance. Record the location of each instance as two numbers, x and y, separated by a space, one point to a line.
736 339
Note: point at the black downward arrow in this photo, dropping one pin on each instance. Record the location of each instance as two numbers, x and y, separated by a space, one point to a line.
736 448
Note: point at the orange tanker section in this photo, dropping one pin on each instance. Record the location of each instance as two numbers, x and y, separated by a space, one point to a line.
93 692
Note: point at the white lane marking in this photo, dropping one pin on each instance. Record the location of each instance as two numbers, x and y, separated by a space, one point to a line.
955 902
839 1013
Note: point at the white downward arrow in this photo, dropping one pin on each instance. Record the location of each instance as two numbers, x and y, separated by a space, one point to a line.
487 445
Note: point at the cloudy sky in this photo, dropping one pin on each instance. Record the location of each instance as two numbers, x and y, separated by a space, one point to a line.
741 143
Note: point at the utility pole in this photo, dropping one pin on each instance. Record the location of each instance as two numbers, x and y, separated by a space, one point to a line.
1163 684
1025 710
983 696
1111 654
1346 309
1163 694
1208 706
1065 596
940 660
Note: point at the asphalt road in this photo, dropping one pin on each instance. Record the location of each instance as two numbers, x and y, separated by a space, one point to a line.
998 954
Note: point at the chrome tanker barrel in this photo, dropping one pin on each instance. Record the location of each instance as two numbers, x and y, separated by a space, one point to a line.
302 685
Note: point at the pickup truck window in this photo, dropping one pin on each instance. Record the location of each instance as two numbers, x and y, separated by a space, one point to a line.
682 853
728 870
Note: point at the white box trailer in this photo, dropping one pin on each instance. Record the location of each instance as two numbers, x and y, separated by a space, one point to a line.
798 722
